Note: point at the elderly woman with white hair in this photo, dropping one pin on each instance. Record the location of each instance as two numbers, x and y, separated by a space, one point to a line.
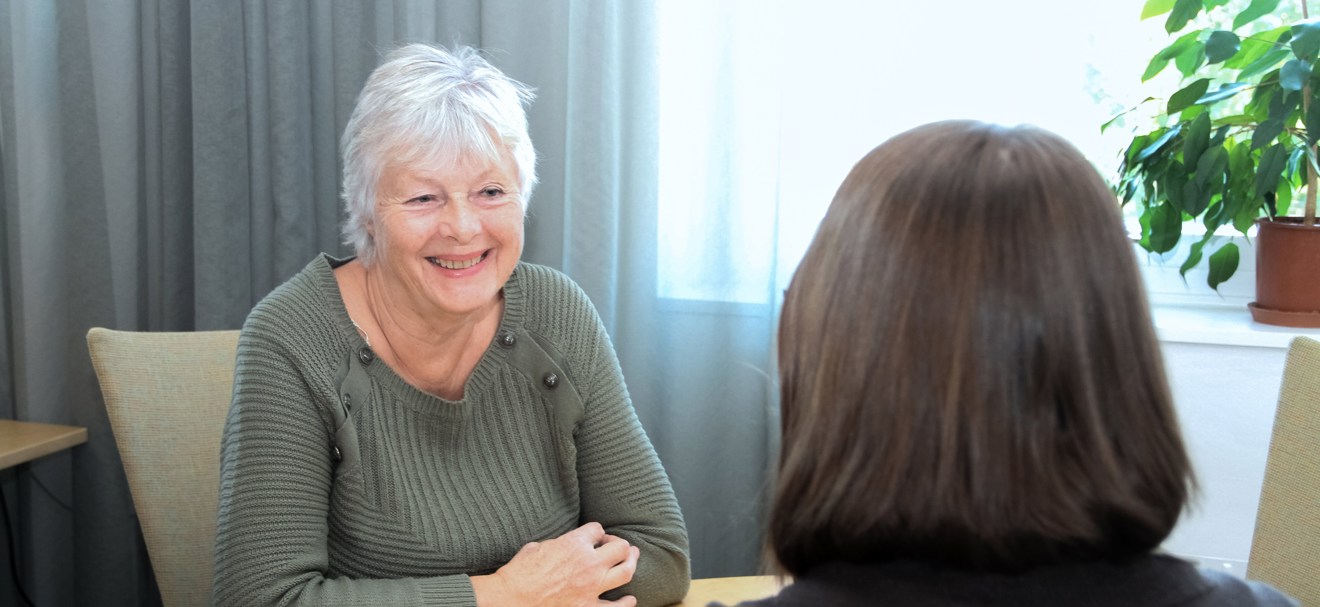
433 421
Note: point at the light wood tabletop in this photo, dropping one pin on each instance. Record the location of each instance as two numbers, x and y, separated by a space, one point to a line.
22 442
729 590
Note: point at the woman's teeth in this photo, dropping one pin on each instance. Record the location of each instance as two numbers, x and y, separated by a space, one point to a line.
456 265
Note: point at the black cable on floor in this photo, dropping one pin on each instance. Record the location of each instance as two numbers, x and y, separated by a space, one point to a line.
13 553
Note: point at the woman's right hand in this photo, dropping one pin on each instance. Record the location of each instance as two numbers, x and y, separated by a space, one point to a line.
571 570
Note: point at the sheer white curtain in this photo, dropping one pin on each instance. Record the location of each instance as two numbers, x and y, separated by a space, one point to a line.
766 104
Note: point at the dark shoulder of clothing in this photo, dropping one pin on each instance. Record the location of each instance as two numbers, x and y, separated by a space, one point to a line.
1147 581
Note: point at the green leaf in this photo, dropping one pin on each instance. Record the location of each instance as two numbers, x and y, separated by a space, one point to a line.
1282 200
1221 45
1223 263
1294 74
1306 39
1266 132
1237 120
1188 95
1221 135
1210 168
1159 143
1245 217
1215 216
1156 65
1129 190
1267 62
1239 160
1272 162
1155 8
1283 103
1224 92
1121 114
1192 193
1312 121
1295 160
1257 9
1108 123
1191 113
1165 229
1161 59
1182 12
1239 198
1209 178
1196 140
1209 4
1173 184
1190 59
1193 257
1138 144
1256 45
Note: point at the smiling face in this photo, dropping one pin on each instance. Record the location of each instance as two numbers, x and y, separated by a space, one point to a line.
448 234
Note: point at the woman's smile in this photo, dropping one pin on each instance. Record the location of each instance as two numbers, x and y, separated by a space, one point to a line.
459 263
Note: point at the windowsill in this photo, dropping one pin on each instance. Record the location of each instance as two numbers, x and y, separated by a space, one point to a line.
1226 325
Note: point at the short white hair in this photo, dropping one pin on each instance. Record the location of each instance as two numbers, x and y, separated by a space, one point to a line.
426 103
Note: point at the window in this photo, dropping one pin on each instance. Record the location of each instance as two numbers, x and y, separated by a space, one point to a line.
766 104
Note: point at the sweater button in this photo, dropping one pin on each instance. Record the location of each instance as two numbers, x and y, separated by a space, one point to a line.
550 380
336 454
366 355
507 340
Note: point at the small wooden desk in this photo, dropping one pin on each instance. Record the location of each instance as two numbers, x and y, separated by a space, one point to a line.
729 590
22 442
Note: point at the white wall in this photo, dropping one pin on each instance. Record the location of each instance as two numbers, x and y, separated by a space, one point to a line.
1225 373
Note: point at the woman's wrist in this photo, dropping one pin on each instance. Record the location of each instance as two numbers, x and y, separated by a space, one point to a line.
490 590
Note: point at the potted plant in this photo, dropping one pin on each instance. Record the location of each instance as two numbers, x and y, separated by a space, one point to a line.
1233 146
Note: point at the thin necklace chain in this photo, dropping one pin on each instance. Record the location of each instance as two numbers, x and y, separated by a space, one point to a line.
363 333
365 288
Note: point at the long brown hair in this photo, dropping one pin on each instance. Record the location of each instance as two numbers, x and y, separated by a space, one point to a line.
969 372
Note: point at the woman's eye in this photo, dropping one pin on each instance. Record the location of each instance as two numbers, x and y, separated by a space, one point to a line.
492 192
423 199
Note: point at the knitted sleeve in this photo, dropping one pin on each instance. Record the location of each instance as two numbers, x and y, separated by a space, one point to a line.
622 483
276 478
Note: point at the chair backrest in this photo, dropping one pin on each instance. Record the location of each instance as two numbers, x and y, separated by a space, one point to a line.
1285 550
167 395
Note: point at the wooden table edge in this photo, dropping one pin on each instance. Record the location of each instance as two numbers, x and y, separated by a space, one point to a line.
730 590
37 440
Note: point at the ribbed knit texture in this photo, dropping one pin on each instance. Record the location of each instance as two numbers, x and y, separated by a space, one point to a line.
432 490
1147 581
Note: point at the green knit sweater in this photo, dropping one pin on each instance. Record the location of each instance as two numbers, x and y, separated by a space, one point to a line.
341 484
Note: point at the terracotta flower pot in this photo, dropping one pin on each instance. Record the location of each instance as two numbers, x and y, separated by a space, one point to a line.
1287 273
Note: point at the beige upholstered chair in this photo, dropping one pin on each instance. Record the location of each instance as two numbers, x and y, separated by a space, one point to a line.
167 395
1285 551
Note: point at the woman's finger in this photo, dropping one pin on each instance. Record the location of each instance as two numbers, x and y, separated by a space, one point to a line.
624 601
610 538
591 532
622 573
613 552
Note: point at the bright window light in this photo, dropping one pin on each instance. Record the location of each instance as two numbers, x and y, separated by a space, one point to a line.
765 106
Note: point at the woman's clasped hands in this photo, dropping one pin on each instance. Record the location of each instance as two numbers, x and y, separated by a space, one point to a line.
572 570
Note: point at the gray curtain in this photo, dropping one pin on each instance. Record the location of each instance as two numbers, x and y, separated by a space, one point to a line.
166 163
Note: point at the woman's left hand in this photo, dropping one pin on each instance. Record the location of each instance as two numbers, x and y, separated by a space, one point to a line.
572 570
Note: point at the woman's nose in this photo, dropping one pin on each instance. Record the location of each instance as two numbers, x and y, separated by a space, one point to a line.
459 220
